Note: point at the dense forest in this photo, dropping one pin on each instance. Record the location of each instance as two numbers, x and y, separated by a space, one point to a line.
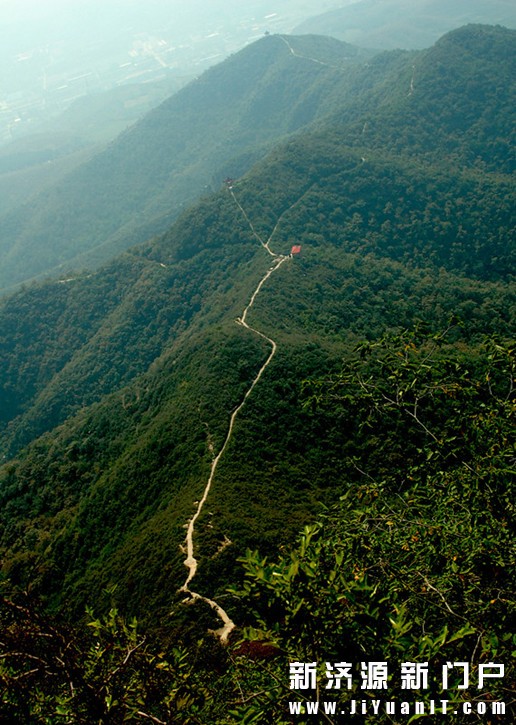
218 125
38 160
363 507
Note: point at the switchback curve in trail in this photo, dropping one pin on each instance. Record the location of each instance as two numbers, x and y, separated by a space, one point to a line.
190 561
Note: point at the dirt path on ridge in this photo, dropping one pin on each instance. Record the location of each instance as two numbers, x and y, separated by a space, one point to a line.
190 561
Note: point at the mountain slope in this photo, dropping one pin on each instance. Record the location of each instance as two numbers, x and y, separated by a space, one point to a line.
215 126
151 295
35 161
279 85
458 96
113 416
406 23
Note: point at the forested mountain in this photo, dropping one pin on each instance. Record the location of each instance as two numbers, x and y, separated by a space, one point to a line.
457 95
218 125
37 160
405 23
363 383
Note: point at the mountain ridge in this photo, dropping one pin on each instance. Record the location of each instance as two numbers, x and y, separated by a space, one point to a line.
391 24
134 189
110 422
153 169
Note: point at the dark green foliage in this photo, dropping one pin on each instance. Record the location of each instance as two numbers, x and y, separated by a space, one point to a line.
414 563
150 344
117 389
390 209
417 560
106 671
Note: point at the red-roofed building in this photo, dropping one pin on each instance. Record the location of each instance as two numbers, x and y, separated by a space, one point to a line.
295 249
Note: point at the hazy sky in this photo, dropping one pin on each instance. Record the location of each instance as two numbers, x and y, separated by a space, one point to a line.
28 23
41 21
54 51
199 10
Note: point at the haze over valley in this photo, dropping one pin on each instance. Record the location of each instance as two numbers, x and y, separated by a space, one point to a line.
257 364
53 53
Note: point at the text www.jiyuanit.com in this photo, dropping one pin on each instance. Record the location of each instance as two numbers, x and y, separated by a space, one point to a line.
389 707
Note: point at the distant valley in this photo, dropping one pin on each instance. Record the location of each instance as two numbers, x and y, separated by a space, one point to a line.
185 147
261 398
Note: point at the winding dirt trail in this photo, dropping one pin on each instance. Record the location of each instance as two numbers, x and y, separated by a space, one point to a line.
265 245
308 57
190 561
411 89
